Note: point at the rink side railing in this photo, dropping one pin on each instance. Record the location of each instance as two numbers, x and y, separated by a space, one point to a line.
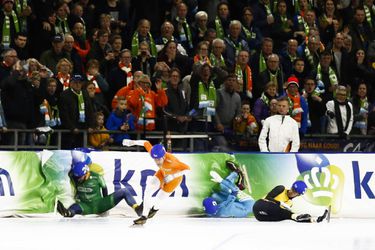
309 143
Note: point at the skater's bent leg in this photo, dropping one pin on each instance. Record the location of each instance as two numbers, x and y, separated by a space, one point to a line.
121 194
152 185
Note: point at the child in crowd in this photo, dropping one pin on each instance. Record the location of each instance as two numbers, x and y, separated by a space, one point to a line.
100 140
245 124
121 119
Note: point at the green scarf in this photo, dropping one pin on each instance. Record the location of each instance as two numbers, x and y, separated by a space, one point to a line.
215 62
237 48
135 44
306 28
185 26
63 29
262 63
309 57
20 6
249 35
284 22
332 75
368 14
6 28
219 28
207 98
81 106
265 99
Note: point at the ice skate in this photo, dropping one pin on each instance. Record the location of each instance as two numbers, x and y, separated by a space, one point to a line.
321 218
152 212
140 221
139 209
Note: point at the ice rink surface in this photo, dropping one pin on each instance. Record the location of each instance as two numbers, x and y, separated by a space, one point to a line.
161 232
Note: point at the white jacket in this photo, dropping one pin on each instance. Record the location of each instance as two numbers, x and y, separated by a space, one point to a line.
281 130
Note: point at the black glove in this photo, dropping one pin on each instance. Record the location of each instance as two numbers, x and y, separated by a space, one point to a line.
303 218
330 114
345 136
321 218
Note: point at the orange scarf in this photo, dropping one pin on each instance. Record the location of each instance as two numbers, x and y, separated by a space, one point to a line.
296 103
92 79
82 52
64 79
127 70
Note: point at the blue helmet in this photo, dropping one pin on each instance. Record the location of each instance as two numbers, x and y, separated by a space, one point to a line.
210 206
300 187
79 169
157 151
79 155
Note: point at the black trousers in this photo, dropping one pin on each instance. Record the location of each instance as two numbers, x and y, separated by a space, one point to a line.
265 210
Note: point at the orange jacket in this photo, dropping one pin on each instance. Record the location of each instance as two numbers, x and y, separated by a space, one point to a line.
141 102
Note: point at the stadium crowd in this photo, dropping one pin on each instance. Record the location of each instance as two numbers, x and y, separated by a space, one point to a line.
186 66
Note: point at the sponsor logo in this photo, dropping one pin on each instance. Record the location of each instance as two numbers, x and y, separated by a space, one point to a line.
5 173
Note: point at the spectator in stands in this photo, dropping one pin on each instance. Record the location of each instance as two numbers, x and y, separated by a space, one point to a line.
121 119
122 75
9 58
143 34
49 105
340 114
98 104
167 30
244 76
62 11
3 122
64 70
124 91
329 22
76 113
300 72
9 23
263 17
360 30
310 52
161 73
143 102
316 106
202 55
216 55
288 56
116 44
105 23
234 44
170 55
361 108
183 31
298 108
273 73
283 26
51 57
340 58
81 43
24 13
222 20
41 40
99 141
20 97
281 131
326 77
144 61
101 85
228 106
177 109
245 124
263 103
250 33
78 67
258 62
199 28
360 70
20 45
371 123
76 16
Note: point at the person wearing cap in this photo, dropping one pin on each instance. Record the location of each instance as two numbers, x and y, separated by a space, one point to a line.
167 178
9 23
76 112
276 206
281 130
143 102
52 56
298 108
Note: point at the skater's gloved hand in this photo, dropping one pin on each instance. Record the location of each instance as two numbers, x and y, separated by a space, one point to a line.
168 178
128 143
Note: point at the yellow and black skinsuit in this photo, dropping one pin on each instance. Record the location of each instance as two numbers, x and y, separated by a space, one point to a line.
269 208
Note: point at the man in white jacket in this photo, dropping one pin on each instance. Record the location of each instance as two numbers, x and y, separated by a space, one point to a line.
281 129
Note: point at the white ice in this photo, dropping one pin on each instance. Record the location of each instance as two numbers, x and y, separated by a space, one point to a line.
162 232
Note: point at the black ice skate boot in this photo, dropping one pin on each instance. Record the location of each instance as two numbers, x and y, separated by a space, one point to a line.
139 209
63 211
152 212
140 221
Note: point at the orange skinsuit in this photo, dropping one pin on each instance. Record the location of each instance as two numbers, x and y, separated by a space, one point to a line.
135 104
171 165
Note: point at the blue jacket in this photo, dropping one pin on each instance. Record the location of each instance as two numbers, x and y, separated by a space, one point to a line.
116 119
